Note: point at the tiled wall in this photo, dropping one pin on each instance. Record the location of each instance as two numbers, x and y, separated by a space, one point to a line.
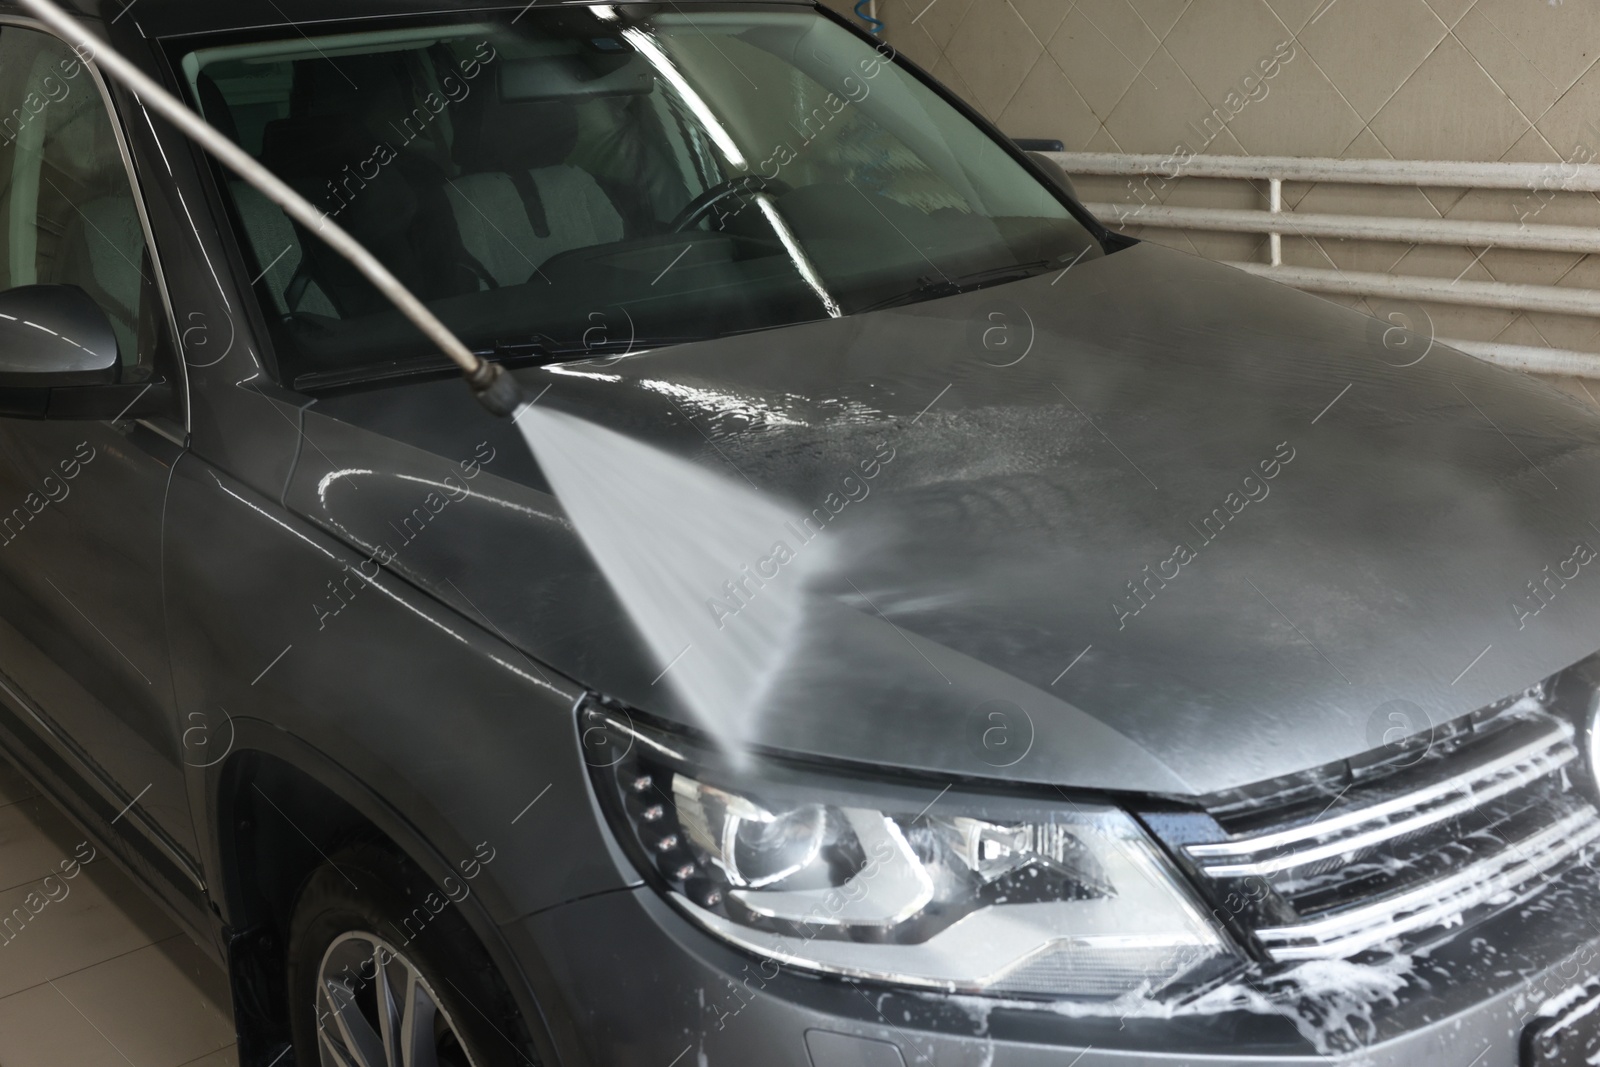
1404 79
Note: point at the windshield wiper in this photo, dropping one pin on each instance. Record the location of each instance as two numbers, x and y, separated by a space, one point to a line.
533 353
548 350
929 287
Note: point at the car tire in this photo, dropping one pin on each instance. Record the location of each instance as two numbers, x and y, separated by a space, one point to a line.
369 913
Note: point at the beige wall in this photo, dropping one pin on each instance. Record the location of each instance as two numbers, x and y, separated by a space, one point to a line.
1405 79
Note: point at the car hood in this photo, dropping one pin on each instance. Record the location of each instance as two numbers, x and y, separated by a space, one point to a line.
1148 525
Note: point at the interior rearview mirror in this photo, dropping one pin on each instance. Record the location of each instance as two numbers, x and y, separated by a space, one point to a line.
53 336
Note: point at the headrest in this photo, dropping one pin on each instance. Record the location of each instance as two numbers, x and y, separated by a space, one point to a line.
314 146
495 136
215 107
312 152
364 85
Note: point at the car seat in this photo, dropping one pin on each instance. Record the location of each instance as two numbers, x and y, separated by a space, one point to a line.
517 202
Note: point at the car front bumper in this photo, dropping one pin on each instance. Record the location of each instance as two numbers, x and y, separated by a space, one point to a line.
641 985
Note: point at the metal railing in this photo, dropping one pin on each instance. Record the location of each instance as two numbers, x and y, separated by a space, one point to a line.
1276 223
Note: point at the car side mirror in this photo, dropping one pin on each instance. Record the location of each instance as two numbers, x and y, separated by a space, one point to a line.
53 336
1056 174
59 359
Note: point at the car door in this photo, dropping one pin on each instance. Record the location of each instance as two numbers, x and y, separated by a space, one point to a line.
82 636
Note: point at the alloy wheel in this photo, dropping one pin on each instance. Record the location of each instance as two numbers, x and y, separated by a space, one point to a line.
375 1009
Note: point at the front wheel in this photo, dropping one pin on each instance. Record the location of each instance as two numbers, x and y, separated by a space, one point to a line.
379 978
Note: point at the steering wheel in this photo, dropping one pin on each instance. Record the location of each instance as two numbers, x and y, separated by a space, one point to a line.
701 206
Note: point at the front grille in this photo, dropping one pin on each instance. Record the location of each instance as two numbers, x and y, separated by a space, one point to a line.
1411 848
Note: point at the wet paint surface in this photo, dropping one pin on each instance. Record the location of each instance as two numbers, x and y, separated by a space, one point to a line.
1406 509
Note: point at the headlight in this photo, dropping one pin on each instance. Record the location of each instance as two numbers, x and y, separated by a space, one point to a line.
960 892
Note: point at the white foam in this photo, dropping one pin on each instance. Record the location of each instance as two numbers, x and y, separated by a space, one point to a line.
1332 1003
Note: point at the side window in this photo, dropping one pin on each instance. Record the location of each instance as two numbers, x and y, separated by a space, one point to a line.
67 211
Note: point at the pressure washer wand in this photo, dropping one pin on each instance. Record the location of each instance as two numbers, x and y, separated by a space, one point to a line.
497 390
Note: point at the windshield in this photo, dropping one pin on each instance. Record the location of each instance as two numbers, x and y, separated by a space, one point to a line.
590 180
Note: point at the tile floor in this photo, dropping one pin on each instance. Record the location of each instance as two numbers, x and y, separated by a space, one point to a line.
98 977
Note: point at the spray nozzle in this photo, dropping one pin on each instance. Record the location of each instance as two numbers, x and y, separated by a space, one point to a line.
495 389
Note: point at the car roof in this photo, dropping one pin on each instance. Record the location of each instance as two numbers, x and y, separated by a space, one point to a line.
178 18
